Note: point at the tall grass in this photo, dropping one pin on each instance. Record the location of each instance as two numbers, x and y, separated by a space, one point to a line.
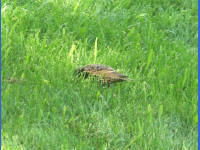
153 42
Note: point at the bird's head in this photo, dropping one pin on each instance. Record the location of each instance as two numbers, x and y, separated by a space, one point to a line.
80 72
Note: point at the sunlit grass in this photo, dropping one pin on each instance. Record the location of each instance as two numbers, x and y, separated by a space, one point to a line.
154 43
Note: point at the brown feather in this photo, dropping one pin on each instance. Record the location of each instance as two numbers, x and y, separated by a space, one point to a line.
106 74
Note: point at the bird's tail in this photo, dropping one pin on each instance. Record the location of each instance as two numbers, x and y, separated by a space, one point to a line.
128 79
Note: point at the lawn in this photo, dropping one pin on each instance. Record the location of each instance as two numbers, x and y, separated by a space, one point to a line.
45 107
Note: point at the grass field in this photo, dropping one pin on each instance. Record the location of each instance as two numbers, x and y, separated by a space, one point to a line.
43 107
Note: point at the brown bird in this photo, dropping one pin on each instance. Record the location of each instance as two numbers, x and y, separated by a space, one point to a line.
105 74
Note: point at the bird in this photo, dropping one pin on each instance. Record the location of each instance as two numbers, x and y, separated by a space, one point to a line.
105 74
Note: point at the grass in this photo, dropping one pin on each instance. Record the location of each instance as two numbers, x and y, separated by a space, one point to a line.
153 42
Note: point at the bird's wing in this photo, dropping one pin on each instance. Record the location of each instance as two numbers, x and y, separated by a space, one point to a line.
97 67
107 73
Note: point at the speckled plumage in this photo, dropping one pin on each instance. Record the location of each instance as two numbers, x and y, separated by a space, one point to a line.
105 74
